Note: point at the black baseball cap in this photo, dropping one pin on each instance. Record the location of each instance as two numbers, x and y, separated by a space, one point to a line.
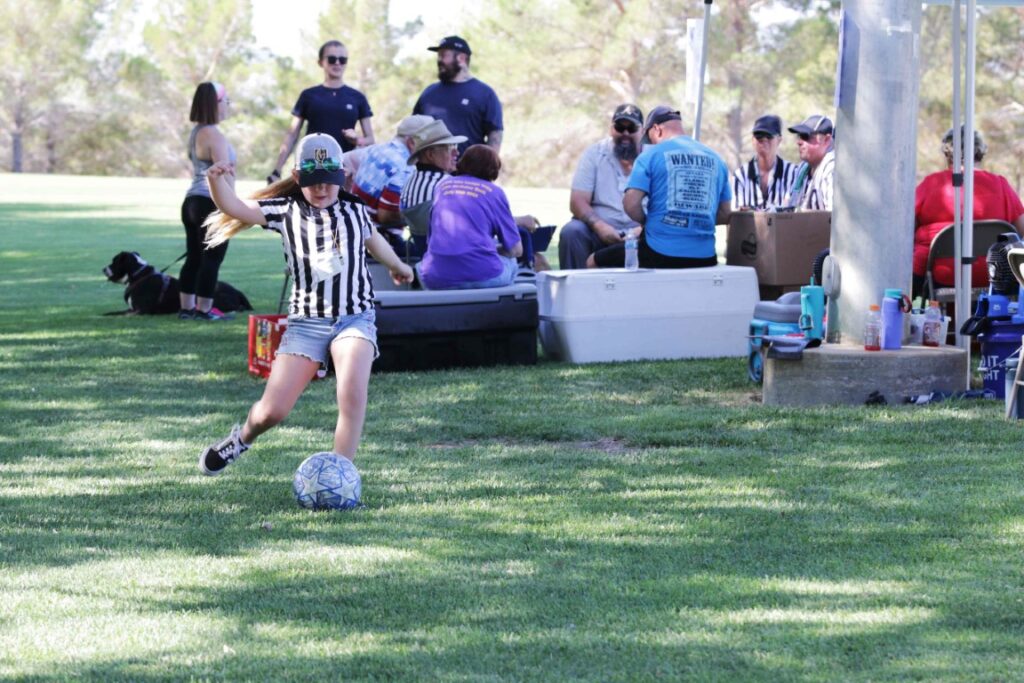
629 112
816 123
452 43
659 115
769 123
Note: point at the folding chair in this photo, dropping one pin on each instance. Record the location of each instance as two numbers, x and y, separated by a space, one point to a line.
985 233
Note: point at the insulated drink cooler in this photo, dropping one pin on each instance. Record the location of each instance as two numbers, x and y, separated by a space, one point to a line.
998 342
589 316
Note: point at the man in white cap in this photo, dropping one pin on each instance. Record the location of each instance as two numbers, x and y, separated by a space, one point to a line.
812 189
385 162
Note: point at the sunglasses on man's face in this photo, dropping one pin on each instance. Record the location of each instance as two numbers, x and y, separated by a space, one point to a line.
808 137
621 127
328 164
336 59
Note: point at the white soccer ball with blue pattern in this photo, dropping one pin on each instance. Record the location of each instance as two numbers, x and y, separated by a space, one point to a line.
326 481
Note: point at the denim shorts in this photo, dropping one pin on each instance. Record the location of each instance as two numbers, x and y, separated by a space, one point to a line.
312 337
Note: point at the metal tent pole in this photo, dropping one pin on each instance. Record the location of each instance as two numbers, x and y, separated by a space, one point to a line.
703 67
968 204
958 177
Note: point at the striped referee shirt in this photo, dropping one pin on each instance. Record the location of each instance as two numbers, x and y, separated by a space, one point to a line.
421 185
814 192
310 236
746 185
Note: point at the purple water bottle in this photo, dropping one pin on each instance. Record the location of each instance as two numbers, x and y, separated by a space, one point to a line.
892 323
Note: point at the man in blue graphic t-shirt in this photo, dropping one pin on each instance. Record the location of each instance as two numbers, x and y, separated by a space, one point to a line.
687 189
467 105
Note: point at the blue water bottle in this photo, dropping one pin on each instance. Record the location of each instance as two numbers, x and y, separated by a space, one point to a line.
892 320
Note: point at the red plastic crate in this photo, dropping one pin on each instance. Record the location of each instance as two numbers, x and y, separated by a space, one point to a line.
264 337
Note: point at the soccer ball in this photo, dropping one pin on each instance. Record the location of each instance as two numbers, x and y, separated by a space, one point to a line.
326 481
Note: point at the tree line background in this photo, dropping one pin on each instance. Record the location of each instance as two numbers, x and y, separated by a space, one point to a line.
75 99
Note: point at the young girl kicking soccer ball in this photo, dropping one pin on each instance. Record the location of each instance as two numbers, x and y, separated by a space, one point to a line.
325 234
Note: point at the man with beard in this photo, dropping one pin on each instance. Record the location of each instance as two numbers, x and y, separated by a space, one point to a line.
467 106
597 188
679 191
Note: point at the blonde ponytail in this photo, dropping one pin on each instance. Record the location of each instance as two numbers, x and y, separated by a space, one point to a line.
221 227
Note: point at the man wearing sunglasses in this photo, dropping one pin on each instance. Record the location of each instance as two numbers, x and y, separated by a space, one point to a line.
687 192
765 181
812 189
596 198
332 108
467 105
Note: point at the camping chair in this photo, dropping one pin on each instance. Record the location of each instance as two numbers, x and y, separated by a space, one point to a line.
985 233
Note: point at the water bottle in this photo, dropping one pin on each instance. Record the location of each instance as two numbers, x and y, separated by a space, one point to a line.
873 329
892 324
632 254
931 330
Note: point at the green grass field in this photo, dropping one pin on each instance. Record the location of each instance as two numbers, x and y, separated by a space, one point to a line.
621 522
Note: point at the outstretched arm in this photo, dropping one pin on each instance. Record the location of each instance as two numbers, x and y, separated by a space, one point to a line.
220 177
380 249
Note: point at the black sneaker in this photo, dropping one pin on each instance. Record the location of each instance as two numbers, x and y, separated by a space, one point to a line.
186 314
212 314
221 454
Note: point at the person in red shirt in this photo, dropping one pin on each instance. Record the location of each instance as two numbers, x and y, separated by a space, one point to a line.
994 198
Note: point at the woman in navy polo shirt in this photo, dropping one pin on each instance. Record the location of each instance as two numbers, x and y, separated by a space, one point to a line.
332 108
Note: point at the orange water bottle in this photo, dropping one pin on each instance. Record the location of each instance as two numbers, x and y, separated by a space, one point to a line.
931 330
873 329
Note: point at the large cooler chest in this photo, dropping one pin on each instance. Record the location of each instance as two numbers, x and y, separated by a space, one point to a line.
589 316
427 330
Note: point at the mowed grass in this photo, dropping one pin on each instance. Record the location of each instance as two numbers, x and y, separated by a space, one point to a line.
619 522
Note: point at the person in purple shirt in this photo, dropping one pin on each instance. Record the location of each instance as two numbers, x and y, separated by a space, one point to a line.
332 108
474 241
468 106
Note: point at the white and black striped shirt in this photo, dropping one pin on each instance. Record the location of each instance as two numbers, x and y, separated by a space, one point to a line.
421 185
746 185
308 233
814 192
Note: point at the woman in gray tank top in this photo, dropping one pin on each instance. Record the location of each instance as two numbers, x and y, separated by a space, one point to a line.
206 146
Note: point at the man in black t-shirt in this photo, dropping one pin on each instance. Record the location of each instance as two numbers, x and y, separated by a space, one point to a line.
468 106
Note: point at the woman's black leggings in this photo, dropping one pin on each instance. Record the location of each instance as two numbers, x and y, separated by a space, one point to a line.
199 274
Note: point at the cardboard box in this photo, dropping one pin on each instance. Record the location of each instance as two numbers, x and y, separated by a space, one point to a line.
780 247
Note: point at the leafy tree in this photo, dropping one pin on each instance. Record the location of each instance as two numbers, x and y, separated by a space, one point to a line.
42 48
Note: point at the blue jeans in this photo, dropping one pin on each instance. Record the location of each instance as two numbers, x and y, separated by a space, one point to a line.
503 279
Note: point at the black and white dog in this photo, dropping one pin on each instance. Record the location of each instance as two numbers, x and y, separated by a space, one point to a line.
150 292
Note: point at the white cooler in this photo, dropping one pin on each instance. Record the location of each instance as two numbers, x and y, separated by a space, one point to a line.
611 314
